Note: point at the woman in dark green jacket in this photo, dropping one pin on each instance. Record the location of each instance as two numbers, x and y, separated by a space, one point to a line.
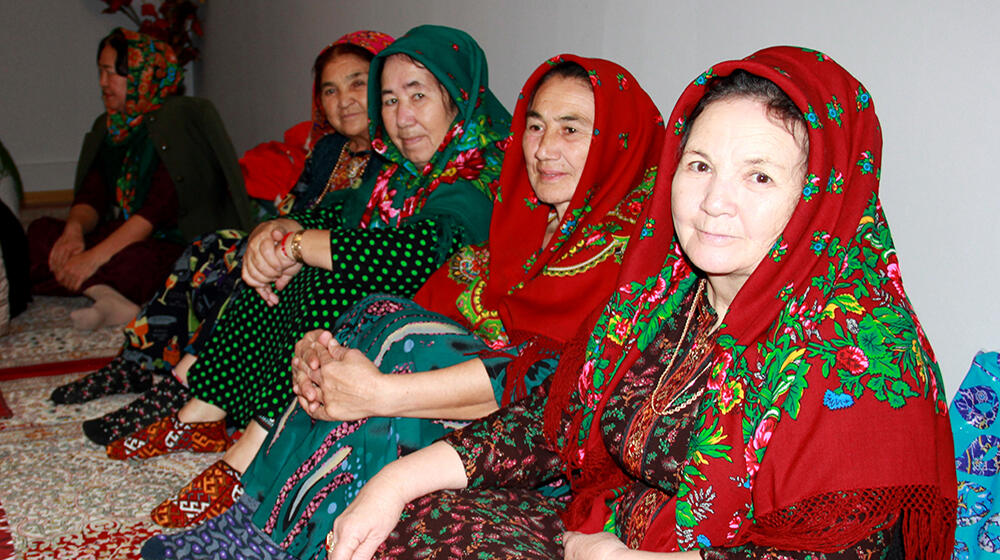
154 172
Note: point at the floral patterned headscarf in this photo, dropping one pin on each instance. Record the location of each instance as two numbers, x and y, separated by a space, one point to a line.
153 76
510 288
824 417
371 41
460 179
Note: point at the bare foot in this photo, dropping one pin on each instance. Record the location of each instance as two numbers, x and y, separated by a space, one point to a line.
197 410
86 319
182 367
241 454
110 309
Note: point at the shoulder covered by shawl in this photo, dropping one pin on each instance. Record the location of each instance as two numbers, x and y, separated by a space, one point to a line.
824 398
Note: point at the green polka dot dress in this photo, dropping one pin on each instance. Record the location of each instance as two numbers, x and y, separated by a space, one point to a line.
387 236
245 365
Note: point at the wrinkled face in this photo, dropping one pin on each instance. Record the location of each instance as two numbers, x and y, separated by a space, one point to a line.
113 86
735 188
559 127
343 92
415 109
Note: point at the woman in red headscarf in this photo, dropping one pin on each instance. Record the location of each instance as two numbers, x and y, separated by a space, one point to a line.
757 386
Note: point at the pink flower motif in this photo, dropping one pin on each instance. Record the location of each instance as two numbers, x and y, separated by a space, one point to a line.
584 383
852 359
621 330
658 290
750 456
762 434
720 368
897 282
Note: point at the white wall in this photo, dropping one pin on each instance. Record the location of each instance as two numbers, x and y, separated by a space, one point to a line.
929 65
49 94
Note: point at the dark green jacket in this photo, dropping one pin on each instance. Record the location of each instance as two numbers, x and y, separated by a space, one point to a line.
196 150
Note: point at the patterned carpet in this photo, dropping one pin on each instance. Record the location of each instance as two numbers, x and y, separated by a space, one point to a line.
43 334
63 497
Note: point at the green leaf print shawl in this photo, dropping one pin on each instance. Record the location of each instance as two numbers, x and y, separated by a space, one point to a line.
463 172
823 418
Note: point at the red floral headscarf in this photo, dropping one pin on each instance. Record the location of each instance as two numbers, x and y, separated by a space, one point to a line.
371 41
509 287
824 416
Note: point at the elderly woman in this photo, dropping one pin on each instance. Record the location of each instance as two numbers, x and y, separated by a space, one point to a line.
181 316
156 170
574 193
440 128
758 386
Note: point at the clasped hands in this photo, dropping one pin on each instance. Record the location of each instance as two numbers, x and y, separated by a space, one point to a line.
333 382
71 264
265 263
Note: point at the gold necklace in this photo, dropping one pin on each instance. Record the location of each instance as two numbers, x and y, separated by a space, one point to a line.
687 324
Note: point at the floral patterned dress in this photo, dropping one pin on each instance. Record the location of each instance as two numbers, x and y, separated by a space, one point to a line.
647 428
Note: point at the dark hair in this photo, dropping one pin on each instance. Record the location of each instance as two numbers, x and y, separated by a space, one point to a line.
333 52
452 106
744 85
565 69
116 40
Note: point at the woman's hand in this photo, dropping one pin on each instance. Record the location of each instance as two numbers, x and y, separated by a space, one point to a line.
598 546
305 362
264 262
365 524
69 243
78 268
350 385
605 546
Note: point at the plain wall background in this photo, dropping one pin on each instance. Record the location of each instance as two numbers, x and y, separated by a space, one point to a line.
930 67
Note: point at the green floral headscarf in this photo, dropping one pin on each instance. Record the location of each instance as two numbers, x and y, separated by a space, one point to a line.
460 179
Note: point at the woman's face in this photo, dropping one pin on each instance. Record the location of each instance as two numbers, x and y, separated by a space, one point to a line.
559 127
415 109
735 188
113 86
343 92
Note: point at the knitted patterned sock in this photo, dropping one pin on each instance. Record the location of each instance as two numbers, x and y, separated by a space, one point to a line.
160 400
119 376
209 495
230 535
170 435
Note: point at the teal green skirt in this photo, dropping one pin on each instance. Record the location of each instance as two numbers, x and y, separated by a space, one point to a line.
308 471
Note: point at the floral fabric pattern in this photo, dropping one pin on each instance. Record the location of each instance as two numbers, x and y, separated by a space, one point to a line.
508 292
823 336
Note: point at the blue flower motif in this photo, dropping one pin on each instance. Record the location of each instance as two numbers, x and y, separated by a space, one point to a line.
817 246
812 118
568 226
837 401
703 540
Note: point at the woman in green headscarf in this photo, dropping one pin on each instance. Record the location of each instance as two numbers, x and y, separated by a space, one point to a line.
440 128
155 171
